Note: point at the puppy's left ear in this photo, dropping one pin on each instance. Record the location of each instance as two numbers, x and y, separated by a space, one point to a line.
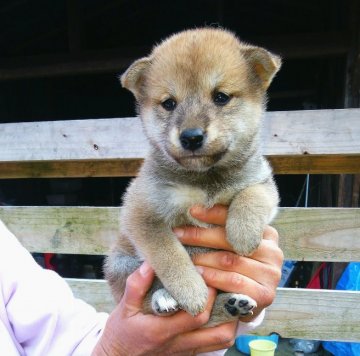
133 78
264 64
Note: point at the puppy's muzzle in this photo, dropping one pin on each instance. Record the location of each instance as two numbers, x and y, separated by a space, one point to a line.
192 139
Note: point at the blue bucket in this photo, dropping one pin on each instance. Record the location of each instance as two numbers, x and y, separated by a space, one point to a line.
242 342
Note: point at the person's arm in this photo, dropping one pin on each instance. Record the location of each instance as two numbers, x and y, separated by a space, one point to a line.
38 312
40 316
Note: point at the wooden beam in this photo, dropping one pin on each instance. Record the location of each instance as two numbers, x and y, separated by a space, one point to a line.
355 201
315 164
311 234
319 234
314 314
352 80
87 62
64 65
313 141
298 313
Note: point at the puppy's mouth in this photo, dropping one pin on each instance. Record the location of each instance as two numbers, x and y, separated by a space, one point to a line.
199 162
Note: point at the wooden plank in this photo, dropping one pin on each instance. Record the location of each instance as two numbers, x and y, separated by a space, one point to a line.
96 292
71 169
72 230
319 234
314 314
299 313
312 234
315 164
72 140
314 141
312 132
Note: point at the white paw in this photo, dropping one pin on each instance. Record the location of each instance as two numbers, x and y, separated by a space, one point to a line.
163 303
240 305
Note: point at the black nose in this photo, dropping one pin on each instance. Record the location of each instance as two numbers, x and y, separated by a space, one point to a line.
192 139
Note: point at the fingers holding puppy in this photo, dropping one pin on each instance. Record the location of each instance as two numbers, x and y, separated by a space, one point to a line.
256 275
215 237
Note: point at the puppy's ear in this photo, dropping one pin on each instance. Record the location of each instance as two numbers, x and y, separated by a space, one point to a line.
264 64
133 78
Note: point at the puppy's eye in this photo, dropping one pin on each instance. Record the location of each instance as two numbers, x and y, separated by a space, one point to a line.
221 99
169 104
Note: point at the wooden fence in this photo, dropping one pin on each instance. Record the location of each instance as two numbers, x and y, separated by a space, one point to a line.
295 142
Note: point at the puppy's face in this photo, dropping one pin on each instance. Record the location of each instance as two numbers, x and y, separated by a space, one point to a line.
201 94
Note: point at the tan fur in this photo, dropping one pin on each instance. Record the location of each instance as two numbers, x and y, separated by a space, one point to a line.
190 67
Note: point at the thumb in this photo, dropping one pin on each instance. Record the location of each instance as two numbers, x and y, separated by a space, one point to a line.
137 285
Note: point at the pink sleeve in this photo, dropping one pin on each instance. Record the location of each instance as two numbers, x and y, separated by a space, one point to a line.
38 309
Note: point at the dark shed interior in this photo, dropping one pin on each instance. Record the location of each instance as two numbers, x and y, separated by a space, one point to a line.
60 60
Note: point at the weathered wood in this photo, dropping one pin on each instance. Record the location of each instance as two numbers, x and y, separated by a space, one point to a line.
96 292
312 132
314 314
73 230
319 234
72 140
355 201
71 169
300 313
325 141
313 234
319 141
315 164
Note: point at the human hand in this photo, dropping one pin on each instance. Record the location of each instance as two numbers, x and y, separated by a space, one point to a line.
256 276
130 332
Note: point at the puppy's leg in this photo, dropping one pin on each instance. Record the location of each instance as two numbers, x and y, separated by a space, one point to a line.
176 271
230 306
249 211
118 266
171 263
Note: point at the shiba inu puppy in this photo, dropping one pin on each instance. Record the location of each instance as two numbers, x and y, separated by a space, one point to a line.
201 94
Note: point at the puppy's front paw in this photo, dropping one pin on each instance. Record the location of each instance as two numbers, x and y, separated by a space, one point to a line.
243 236
239 305
163 303
192 294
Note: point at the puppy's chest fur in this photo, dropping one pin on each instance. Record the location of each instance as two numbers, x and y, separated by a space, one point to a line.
176 199
172 195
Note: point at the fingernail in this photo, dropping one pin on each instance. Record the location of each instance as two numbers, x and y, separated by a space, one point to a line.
200 269
145 268
197 209
179 232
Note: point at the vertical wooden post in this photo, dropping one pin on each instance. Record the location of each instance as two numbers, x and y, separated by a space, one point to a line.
349 185
352 87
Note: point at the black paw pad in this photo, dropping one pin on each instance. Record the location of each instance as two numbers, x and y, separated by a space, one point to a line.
232 310
239 305
242 302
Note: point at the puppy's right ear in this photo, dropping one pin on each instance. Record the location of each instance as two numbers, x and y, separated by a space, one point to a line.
264 63
133 78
